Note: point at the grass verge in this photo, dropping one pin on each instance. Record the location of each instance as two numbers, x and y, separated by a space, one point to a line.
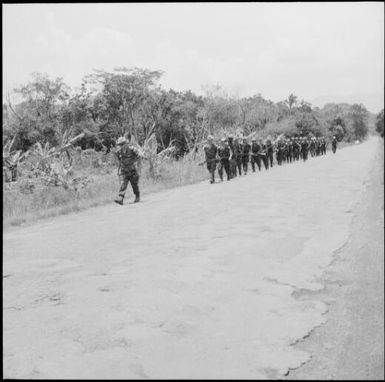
23 206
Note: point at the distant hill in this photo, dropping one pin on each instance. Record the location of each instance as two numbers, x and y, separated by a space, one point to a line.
373 102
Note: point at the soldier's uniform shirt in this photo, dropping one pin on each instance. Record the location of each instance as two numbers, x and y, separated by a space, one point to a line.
255 147
246 150
211 152
224 153
127 158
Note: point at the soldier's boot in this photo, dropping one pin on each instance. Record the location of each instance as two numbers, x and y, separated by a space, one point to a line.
119 200
137 198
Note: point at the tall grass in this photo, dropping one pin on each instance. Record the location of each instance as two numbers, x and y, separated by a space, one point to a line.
24 204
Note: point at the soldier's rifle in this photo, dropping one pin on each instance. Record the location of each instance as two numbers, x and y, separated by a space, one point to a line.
209 160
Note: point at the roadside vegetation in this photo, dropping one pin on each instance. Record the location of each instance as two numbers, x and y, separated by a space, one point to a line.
58 143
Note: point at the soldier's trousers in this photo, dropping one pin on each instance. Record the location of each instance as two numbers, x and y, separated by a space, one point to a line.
233 168
265 161
127 176
239 165
224 164
211 166
271 159
278 157
255 159
245 163
334 149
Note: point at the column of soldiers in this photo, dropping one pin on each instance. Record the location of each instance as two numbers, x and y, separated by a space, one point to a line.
233 155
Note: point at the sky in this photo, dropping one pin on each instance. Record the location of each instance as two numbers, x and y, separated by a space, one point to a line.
321 52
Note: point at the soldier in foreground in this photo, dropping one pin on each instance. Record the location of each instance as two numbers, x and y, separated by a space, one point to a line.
224 159
211 157
127 155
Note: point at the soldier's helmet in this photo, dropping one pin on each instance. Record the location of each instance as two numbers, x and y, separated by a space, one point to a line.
231 136
223 140
210 137
121 141
253 140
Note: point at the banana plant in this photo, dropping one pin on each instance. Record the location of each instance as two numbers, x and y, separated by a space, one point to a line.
11 160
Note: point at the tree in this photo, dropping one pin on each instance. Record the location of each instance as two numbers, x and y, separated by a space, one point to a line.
291 101
124 94
359 118
35 117
380 123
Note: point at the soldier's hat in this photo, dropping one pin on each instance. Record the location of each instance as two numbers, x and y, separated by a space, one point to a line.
253 139
223 140
210 137
121 141
231 136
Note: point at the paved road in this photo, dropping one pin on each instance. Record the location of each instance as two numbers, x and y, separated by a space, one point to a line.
195 282
350 346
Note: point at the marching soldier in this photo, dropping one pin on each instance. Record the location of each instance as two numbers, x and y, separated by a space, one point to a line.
289 156
312 146
263 154
255 154
334 144
238 155
279 152
318 146
211 157
296 148
224 159
323 146
269 152
245 155
304 148
233 159
127 155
